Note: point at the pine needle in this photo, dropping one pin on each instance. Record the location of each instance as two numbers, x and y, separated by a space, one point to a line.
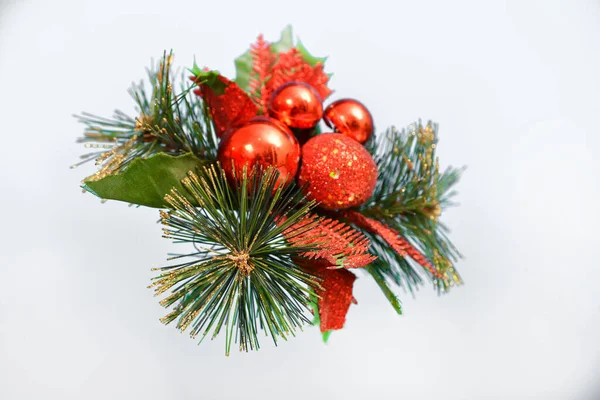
241 278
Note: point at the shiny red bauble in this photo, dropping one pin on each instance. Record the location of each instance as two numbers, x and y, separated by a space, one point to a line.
338 172
262 142
351 118
297 105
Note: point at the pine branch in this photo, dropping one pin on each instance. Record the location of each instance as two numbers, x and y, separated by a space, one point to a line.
376 272
409 198
165 122
240 278
395 267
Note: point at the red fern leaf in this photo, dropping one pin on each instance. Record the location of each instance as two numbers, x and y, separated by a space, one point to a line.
291 67
262 61
394 239
337 243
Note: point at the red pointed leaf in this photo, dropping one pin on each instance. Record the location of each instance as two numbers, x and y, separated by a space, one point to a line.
335 295
393 238
229 105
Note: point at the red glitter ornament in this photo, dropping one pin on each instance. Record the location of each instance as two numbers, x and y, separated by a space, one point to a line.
297 105
264 142
338 171
351 118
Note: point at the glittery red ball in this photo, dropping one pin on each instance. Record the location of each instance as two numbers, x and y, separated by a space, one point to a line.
297 105
264 142
339 172
351 118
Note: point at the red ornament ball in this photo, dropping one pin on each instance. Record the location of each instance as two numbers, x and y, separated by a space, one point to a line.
351 118
263 142
296 104
338 171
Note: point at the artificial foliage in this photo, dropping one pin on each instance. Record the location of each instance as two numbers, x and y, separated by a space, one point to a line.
278 216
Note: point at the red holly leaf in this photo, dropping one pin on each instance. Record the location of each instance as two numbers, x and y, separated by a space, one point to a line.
393 238
335 296
228 104
291 66
337 243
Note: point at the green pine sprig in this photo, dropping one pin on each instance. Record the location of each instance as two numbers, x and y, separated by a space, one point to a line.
166 122
240 277
410 195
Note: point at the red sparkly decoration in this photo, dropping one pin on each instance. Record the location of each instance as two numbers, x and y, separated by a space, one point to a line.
297 105
335 292
290 66
337 243
338 171
264 142
351 118
393 238
229 105
262 62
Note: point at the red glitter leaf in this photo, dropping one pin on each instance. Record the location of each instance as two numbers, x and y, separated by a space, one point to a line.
290 66
358 260
337 243
335 296
262 62
229 105
393 238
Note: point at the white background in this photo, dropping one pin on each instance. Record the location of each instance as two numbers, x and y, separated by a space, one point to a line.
515 87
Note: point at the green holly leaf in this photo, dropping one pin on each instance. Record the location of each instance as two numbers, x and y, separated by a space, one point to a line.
243 67
146 180
286 41
209 78
309 58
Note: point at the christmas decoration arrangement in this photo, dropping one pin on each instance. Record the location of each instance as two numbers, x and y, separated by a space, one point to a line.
280 196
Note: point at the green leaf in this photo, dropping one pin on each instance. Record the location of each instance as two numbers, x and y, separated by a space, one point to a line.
286 41
146 180
243 67
209 78
309 58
